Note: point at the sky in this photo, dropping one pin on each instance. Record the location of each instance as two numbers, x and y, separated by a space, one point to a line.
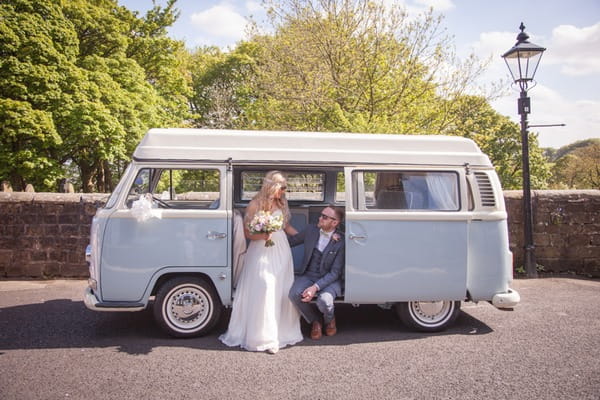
568 77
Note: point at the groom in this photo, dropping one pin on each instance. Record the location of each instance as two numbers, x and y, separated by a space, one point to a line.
321 271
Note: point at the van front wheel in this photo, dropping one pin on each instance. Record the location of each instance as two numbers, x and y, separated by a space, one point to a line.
187 307
428 316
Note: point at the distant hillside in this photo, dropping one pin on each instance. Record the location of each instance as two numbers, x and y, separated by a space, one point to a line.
576 166
553 154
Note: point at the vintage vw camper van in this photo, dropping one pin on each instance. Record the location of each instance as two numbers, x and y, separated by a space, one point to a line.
425 224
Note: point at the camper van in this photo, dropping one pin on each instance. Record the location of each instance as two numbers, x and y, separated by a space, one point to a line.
425 225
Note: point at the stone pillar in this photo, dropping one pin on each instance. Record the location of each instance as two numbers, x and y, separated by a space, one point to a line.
6 187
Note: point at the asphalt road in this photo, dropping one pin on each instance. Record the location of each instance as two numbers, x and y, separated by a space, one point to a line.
52 347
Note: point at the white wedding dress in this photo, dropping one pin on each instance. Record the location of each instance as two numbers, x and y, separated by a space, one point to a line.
263 317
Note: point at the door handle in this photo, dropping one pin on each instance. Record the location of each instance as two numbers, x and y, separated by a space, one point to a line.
352 236
215 235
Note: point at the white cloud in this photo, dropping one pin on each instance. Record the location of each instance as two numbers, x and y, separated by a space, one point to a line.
254 6
414 8
577 50
491 46
570 50
221 23
438 5
582 117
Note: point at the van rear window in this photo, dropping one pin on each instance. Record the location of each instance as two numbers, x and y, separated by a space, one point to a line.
301 186
406 190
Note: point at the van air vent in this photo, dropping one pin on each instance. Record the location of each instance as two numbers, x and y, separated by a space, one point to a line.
486 191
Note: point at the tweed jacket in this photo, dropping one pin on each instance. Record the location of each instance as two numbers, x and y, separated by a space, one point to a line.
332 262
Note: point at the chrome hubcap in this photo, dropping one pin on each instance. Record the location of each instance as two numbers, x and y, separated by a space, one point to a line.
188 307
431 312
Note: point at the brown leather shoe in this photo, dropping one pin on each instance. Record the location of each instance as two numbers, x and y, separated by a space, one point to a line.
330 328
316 331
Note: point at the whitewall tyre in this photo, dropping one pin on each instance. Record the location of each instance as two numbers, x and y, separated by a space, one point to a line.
428 316
187 307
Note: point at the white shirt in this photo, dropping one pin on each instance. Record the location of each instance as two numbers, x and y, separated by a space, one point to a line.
324 239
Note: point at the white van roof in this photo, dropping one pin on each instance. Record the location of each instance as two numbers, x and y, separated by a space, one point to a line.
306 148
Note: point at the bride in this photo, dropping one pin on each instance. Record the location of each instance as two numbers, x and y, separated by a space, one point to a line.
263 318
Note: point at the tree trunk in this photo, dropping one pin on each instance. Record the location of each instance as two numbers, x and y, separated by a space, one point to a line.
87 182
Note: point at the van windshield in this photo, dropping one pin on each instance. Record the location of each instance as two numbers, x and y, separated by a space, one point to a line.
112 200
179 188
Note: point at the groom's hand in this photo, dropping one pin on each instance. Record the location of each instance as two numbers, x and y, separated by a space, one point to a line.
309 293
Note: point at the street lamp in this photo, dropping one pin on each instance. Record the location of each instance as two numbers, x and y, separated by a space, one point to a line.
522 61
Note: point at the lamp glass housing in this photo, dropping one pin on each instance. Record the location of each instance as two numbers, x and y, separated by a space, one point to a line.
523 60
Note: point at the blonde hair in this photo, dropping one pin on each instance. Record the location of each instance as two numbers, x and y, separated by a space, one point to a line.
265 199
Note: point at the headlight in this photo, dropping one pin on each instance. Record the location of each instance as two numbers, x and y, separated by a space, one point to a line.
88 254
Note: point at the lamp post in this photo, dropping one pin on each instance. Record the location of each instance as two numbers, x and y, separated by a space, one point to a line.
522 61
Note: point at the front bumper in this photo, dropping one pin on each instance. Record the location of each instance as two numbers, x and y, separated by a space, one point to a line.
506 300
91 302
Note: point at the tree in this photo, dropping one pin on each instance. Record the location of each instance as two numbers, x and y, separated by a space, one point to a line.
74 71
500 138
223 86
37 50
344 65
357 66
555 154
578 167
27 138
134 83
163 60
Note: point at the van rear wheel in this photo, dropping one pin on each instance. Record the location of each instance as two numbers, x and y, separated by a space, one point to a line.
187 307
428 316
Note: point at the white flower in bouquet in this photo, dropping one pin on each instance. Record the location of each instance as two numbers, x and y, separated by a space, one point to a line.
265 222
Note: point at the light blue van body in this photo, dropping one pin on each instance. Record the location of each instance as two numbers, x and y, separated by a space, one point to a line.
446 239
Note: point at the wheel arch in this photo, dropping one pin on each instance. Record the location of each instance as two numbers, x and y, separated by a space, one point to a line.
168 275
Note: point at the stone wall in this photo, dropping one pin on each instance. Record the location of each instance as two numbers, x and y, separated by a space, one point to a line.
43 235
566 230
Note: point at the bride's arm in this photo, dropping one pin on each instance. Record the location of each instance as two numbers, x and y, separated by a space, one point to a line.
290 230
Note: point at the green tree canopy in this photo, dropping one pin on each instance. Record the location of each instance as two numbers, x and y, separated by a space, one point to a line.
75 70
82 80
578 166
500 138
223 86
356 66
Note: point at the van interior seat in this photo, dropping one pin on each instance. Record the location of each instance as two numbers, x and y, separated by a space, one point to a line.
415 200
299 219
387 199
239 245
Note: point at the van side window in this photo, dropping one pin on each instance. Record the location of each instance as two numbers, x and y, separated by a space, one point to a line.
406 190
185 188
301 186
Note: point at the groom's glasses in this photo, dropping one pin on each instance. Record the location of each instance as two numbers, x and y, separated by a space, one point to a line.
326 217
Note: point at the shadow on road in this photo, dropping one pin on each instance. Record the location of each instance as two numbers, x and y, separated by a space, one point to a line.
68 324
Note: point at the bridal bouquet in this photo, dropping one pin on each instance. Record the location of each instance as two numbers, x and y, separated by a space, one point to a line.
265 222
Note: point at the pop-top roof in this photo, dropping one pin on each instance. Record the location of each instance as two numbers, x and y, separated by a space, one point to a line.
306 148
